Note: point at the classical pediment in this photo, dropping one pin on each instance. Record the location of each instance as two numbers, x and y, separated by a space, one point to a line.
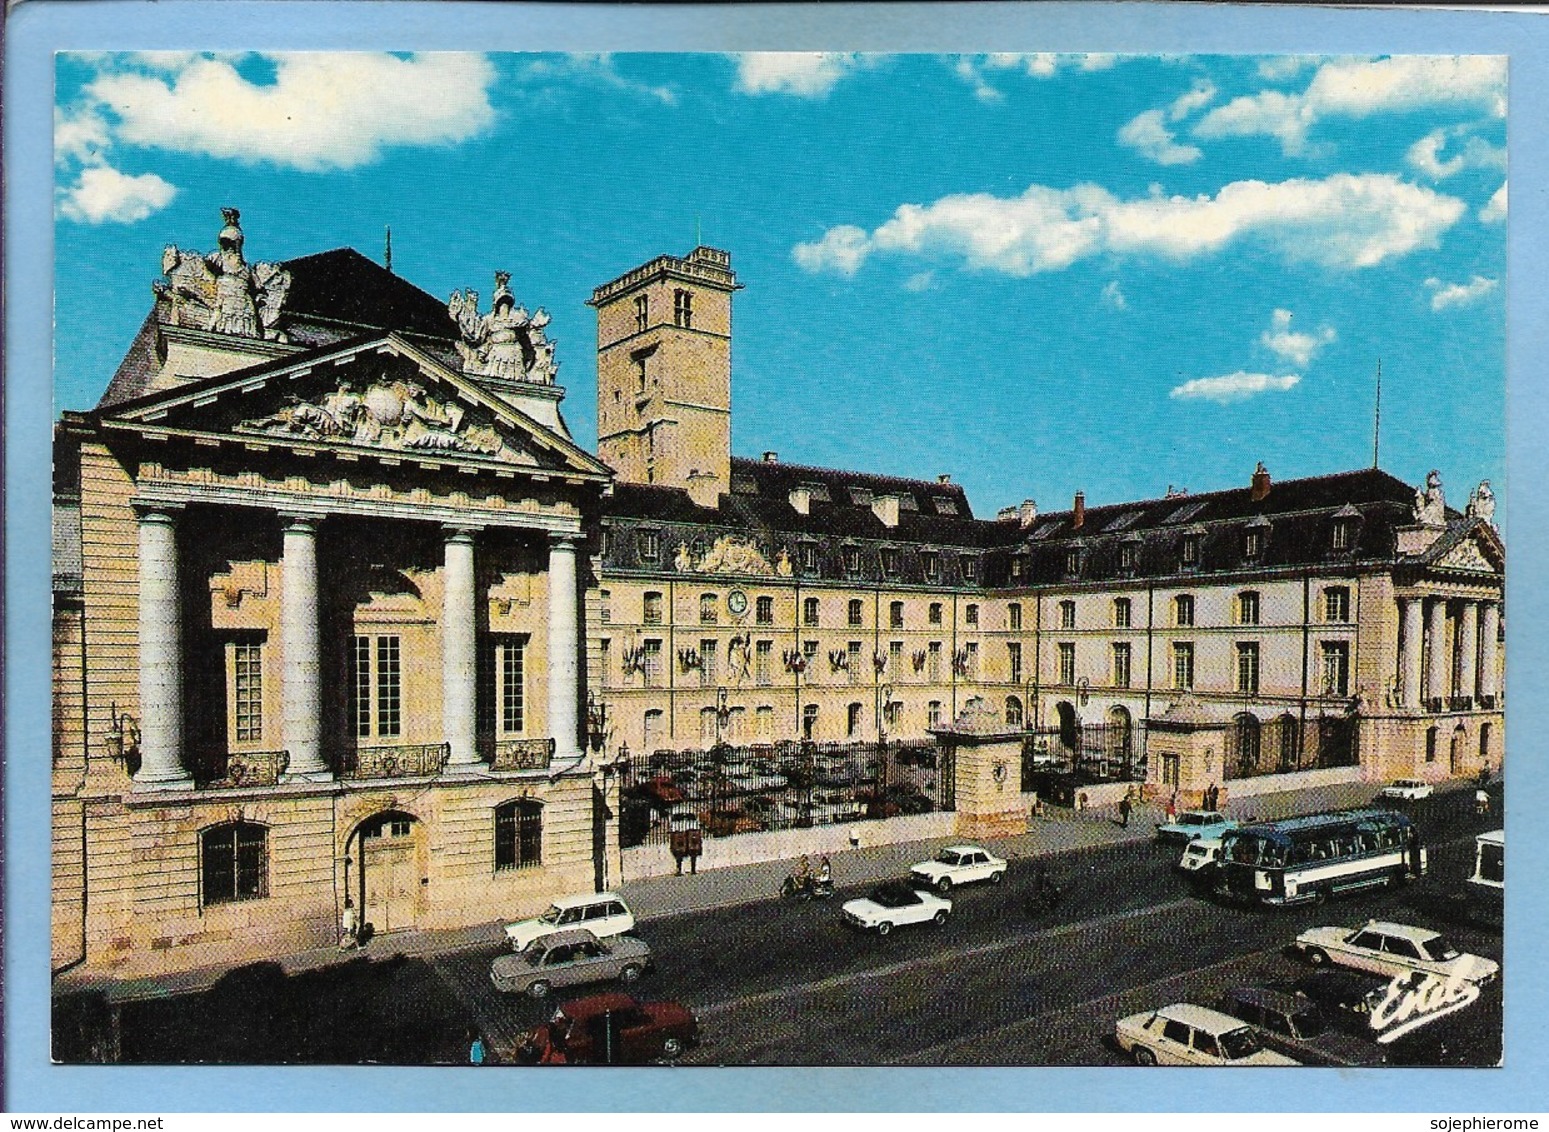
1467 556
381 397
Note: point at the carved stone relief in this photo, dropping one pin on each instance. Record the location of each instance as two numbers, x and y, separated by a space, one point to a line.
505 343
727 555
221 292
1466 556
1430 506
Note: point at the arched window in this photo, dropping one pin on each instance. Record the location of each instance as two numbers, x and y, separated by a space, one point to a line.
1120 745
1290 741
1431 739
1013 712
234 862
1484 742
1247 738
852 721
1455 755
809 721
519 834
707 726
654 720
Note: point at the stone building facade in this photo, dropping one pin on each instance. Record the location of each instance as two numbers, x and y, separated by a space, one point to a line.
342 611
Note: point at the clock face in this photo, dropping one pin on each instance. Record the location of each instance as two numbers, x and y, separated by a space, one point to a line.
737 602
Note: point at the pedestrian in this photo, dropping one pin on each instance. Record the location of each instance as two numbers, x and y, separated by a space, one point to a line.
1172 807
1081 800
1481 801
476 1050
349 926
1124 809
1484 776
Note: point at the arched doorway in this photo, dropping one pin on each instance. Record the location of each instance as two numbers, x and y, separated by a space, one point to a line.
1247 739
1120 745
388 852
1459 745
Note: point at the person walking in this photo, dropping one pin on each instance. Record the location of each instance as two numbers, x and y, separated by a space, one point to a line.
349 926
1124 809
476 1051
1481 801
1171 809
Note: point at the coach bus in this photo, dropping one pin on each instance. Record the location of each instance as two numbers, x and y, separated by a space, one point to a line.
1487 886
1308 859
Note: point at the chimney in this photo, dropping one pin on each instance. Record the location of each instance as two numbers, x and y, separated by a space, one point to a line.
885 508
801 499
1027 514
1260 483
943 478
1078 512
771 457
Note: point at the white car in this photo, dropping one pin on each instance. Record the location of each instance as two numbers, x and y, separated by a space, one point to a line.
1201 858
959 864
603 914
1185 1034
1405 790
894 903
1393 950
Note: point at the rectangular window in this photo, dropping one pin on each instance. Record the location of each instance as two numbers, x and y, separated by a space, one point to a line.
1248 667
1067 662
933 661
852 560
895 615
1067 615
763 654
933 714
890 562
970 615
512 691
1336 668
934 615
895 659
1183 610
518 835
1248 608
652 650
1342 535
1191 550
604 606
970 568
855 612
247 666
1121 668
707 664
809 611
1072 562
1014 616
1129 553
1121 612
605 662
683 309
763 721
809 557
852 652
360 686
1183 666
1252 543
1336 604
389 687
764 611
930 562
709 612
971 667
650 546
642 312
1014 661
235 863
653 609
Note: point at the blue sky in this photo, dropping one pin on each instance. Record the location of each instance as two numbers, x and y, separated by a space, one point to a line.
1037 273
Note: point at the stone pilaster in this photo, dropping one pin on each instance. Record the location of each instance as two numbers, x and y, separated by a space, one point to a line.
161 655
458 648
301 698
1436 650
1412 661
1468 650
564 668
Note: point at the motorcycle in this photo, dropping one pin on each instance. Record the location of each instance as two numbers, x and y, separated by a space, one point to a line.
806 888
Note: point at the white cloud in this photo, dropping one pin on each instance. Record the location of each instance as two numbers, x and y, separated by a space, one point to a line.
1444 295
1039 65
1357 88
1280 67
806 74
1295 347
102 194
1476 153
1494 210
597 69
1197 98
1148 134
1343 221
1113 296
321 110
81 136
1237 386
920 281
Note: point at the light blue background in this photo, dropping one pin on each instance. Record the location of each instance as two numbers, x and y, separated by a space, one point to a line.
37 30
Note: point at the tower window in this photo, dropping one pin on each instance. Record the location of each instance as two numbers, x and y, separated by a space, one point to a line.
683 309
642 312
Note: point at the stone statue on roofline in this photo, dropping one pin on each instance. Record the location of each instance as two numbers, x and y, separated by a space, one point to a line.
1430 506
1481 504
221 292
507 342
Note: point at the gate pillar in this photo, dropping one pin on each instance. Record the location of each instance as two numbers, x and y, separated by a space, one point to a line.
987 766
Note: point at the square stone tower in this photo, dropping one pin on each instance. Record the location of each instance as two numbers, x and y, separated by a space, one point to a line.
664 373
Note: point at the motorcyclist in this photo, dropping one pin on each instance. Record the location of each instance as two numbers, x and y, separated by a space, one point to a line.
825 878
801 876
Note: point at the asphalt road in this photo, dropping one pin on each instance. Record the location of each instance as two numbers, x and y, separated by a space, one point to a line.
780 983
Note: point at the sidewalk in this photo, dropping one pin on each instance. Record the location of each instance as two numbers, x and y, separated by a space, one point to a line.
1058 831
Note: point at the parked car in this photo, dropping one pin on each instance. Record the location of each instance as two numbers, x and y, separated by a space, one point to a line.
1201 860
570 958
1345 996
612 1029
603 914
1185 1034
1393 950
1405 790
1297 1026
894 903
751 780
1192 825
823 807
959 864
661 791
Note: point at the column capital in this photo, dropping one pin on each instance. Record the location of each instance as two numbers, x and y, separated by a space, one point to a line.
157 512
461 532
301 519
564 539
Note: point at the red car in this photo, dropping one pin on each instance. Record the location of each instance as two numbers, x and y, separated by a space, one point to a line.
612 1029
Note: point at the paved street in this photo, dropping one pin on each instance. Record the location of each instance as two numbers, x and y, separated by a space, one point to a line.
783 983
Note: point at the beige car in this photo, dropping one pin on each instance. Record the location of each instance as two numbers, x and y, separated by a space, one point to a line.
1185 1034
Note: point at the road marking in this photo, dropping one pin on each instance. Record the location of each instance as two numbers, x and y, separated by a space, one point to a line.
937 959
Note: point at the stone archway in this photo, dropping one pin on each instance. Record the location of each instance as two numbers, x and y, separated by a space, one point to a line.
1459 749
388 850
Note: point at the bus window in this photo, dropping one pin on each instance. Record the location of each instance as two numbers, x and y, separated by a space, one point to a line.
1273 855
1492 863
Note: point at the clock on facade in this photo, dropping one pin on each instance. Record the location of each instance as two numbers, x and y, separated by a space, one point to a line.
737 602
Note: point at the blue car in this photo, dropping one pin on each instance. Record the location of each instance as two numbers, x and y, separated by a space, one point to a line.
1191 825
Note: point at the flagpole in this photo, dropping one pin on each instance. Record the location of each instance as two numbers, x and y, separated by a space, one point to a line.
1377 418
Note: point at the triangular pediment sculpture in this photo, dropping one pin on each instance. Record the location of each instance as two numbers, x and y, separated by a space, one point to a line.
1471 556
379 396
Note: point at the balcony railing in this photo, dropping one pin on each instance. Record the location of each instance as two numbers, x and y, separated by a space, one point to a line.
522 754
1460 703
409 760
241 768
1488 703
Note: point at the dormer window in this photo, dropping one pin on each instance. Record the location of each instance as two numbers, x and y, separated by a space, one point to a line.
1344 529
1073 561
650 546
852 560
930 562
970 568
1129 554
809 558
1016 567
1190 553
890 562
1252 543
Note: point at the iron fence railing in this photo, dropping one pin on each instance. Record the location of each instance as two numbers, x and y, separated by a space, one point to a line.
1288 744
728 790
1055 760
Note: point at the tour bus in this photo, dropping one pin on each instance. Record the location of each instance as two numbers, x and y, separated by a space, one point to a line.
1487 887
1307 859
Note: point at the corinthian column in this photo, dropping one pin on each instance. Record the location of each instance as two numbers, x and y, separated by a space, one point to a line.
1489 631
564 671
161 656
301 695
1436 650
1414 649
458 648
1468 649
